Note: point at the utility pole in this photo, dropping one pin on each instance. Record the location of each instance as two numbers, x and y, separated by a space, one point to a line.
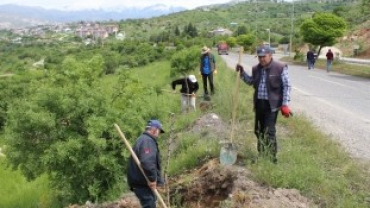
291 31
256 4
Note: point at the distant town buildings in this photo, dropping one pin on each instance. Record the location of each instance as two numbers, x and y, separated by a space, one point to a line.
221 31
96 31
84 30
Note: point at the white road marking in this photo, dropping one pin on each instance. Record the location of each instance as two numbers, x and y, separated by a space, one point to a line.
343 110
337 83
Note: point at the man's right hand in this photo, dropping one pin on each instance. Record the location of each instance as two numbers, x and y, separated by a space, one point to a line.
152 185
239 68
285 111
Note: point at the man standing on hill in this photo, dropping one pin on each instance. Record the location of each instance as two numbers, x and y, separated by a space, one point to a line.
329 60
147 151
189 86
207 67
271 93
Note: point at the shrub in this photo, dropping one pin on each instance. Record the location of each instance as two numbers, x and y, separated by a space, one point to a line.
185 60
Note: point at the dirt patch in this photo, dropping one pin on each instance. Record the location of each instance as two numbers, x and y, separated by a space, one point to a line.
208 186
214 185
126 201
211 125
359 38
232 187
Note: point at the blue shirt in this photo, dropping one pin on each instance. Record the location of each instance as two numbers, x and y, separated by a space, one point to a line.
206 65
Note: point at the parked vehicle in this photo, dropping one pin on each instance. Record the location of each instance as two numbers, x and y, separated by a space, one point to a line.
223 48
271 48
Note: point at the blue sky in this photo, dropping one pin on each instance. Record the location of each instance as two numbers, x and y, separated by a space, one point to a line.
109 4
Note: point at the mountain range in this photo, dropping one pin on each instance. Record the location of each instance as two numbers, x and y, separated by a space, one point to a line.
15 16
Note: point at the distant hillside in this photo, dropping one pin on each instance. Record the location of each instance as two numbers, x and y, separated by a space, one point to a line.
12 16
255 17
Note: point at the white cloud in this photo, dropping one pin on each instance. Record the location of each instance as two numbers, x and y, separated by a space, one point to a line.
109 4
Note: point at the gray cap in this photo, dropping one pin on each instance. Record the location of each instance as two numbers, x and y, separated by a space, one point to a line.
263 50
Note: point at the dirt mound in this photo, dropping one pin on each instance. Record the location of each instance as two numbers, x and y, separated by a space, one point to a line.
218 186
211 125
210 185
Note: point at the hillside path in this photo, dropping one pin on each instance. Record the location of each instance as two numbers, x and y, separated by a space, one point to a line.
338 105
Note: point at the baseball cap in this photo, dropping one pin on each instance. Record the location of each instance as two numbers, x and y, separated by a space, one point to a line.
263 50
192 78
156 124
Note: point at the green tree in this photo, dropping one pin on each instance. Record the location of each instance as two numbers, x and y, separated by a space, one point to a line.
111 62
190 30
247 41
339 11
231 41
241 30
64 129
284 40
177 31
365 10
184 61
322 29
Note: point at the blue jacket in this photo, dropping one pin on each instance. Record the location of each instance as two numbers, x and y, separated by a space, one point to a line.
146 149
207 68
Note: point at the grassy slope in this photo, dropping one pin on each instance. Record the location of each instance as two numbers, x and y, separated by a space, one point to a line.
16 192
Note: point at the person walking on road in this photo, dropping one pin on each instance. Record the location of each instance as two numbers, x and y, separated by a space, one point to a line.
189 86
310 59
146 149
329 60
207 67
272 87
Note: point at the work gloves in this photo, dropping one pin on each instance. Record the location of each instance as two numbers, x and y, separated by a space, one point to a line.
239 69
285 111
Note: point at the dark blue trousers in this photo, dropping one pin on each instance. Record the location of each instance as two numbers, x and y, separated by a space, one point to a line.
146 196
210 80
265 129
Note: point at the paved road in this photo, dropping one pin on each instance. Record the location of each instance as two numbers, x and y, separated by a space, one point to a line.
337 104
